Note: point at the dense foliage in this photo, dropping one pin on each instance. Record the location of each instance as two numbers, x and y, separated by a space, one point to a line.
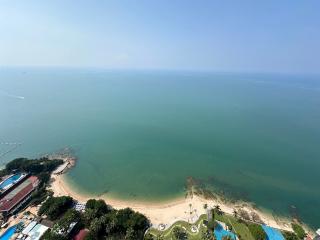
50 235
106 223
63 224
179 233
33 166
54 207
257 231
290 236
298 230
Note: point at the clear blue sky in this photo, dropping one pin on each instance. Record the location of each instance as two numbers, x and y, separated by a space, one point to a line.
239 35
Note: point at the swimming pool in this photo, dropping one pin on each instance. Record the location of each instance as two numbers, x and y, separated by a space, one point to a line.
8 233
10 180
219 232
272 234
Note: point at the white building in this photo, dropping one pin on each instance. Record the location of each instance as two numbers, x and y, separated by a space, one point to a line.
34 231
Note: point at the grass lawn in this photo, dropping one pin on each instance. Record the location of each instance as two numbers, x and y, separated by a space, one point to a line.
239 228
168 234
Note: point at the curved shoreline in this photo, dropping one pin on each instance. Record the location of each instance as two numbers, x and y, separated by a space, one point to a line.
186 209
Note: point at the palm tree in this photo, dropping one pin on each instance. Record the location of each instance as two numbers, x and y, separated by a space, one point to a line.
217 209
235 213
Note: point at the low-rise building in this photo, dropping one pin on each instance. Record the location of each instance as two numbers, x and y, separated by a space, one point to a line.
81 235
15 198
37 232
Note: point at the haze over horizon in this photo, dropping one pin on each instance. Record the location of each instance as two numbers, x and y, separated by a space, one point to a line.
247 36
272 36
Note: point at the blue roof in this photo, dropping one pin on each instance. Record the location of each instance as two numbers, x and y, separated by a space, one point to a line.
272 233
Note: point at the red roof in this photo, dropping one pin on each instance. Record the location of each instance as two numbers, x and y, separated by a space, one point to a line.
6 203
81 235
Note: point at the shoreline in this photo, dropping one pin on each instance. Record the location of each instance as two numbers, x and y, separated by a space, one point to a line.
168 212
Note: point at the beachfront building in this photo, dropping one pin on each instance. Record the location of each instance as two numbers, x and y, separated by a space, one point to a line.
14 199
34 231
10 182
318 235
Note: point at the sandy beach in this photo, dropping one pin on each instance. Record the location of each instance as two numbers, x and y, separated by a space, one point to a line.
187 209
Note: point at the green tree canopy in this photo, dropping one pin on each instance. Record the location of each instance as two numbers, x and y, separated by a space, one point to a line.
257 231
54 207
298 230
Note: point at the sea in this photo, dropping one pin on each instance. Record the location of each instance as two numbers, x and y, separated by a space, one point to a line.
140 135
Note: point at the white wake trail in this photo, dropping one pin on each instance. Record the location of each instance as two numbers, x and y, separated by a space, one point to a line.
11 95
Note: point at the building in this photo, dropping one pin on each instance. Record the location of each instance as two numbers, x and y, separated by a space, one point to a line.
318 235
10 182
36 232
81 235
17 196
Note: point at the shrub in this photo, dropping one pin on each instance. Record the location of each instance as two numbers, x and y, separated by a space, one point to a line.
290 236
54 207
257 232
179 233
298 230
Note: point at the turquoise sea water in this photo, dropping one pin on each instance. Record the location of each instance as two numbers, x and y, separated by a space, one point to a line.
139 135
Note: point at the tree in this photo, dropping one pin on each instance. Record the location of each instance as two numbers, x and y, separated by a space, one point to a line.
179 233
290 236
235 213
50 235
298 230
149 236
97 228
71 216
212 224
257 231
130 234
99 207
217 209
54 207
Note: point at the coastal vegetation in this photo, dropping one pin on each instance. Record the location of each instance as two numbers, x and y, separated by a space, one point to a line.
54 207
290 235
245 230
40 167
298 230
105 222
257 231
102 221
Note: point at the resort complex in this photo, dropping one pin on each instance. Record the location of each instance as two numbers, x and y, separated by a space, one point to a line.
31 212
17 193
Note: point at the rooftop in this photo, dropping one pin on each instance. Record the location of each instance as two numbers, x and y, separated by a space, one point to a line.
37 232
81 235
18 194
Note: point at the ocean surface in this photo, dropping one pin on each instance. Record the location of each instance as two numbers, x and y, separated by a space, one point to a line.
140 135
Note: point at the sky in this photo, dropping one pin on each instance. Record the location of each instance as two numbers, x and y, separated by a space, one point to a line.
224 36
